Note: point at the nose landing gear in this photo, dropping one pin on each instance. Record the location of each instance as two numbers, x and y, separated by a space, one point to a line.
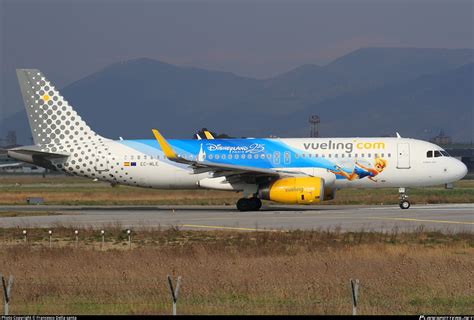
404 203
249 204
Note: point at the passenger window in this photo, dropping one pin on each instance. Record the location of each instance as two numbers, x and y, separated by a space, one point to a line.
310 155
437 154
269 156
210 156
276 157
335 156
329 155
303 155
262 156
389 155
342 155
223 156
429 154
249 156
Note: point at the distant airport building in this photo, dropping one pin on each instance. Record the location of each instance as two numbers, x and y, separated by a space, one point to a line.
9 165
441 139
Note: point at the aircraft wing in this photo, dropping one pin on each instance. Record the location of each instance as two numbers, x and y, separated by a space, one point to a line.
220 169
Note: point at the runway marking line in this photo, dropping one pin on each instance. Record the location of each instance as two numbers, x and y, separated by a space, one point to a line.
422 220
228 228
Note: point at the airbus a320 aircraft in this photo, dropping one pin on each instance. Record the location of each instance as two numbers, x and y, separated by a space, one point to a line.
291 171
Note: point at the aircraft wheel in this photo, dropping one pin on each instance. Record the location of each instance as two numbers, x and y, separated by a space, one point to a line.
252 204
404 204
257 203
244 204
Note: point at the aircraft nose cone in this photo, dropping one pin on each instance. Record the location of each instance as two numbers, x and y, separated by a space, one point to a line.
461 170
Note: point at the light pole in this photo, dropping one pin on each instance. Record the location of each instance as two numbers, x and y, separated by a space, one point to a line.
50 232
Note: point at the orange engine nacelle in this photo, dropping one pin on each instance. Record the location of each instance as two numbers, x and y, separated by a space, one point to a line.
297 190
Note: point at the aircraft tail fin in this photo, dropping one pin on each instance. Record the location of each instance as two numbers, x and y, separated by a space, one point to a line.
52 120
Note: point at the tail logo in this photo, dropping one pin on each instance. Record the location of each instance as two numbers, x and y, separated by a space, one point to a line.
52 120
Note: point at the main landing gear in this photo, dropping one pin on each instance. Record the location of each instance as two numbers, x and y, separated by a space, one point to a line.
249 204
404 203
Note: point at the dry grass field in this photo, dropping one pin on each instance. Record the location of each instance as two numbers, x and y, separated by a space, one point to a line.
80 191
298 272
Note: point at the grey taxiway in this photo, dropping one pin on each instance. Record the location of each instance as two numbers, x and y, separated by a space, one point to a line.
443 217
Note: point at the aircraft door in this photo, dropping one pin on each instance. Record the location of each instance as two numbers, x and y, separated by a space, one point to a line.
101 157
403 156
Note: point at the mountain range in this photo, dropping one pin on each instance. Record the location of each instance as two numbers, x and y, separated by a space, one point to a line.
368 92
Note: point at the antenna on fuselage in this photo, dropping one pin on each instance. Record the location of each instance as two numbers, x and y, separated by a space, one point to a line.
398 135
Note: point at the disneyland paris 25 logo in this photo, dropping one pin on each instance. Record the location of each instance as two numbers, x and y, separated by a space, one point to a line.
253 148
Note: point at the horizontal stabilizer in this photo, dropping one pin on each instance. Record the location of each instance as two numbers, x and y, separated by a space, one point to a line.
32 154
33 150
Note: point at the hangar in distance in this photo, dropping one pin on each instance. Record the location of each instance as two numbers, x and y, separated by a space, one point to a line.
292 171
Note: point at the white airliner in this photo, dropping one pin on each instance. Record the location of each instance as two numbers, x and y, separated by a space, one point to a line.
293 171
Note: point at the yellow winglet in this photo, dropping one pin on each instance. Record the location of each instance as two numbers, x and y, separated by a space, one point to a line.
208 135
169 153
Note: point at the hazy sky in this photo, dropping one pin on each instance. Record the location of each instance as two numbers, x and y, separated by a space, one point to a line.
71 39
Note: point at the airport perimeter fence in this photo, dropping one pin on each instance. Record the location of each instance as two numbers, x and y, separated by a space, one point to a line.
154 306
121 287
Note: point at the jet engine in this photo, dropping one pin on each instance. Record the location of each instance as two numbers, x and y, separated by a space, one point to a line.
295 190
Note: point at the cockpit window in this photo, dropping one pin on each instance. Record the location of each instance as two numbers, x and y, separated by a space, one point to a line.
437 153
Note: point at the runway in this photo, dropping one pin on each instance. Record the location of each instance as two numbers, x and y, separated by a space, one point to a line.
446 218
